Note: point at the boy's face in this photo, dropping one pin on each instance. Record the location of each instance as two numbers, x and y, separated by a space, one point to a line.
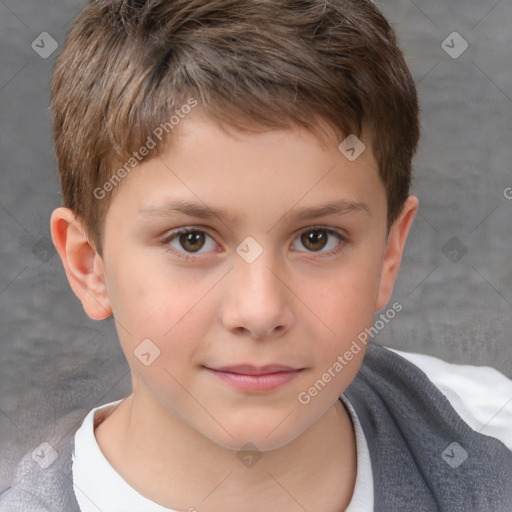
263 283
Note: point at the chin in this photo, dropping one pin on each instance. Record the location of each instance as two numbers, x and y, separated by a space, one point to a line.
264 435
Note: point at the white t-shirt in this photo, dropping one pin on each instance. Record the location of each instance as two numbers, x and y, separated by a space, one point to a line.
482 396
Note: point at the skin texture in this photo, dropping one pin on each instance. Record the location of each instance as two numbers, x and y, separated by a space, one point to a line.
299 303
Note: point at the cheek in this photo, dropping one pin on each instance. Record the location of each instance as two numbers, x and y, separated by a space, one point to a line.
346 304
146 293
147 307
346 299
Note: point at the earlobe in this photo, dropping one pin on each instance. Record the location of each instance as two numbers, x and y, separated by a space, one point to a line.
394 250
82 264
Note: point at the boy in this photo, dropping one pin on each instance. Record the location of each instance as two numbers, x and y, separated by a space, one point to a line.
235 178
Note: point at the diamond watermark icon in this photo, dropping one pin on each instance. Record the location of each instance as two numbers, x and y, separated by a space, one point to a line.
249 455
352 148
455 455
45 455
454 45
454 250
44 250
147 352
249 250
44 45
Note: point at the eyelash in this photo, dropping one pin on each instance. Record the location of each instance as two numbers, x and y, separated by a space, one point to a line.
191 256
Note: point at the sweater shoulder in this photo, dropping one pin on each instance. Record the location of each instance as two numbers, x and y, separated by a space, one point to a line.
43 477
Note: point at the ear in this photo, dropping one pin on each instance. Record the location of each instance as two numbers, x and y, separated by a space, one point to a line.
394 250
82 264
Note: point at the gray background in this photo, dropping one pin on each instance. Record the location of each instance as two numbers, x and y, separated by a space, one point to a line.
457 305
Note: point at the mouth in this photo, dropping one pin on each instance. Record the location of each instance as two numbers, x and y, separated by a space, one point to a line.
255 379
248 369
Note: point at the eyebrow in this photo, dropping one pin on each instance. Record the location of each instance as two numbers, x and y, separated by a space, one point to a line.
198 210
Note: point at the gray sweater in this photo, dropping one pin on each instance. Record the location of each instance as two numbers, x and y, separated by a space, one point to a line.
424 457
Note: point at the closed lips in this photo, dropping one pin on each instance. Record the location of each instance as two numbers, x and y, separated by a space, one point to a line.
253 370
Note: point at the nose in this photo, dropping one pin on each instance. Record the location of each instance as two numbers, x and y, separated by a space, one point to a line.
257 301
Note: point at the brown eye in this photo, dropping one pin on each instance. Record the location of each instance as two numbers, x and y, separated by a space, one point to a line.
314 240
321 241
189 244
192 241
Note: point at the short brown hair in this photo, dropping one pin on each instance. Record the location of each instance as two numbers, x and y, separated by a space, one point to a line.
127 66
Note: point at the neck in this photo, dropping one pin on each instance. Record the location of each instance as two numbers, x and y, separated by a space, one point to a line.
187 471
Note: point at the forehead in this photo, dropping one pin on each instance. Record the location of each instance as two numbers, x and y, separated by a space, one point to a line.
204 167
